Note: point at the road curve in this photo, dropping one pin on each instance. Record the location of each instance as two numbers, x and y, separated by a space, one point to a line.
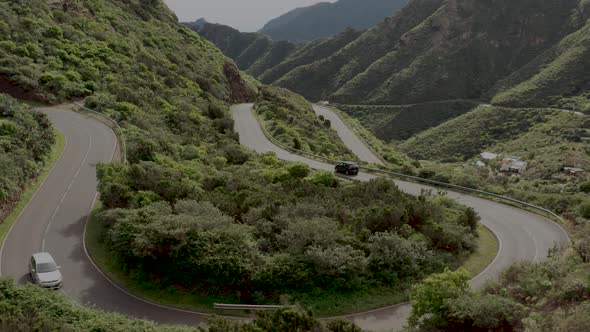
55 218
522 235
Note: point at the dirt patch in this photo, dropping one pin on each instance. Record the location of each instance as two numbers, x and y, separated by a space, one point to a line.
15 90
240 93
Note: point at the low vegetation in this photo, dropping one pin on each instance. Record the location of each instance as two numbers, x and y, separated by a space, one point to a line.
26 140
549 296
548 140
290 119
30 308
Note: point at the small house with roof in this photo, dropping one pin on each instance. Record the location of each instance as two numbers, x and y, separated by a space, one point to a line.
513 165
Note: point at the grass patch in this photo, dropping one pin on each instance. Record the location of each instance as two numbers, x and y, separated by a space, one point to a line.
487 250
326 304
27 194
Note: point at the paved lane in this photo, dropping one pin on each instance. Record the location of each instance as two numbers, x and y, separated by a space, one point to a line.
522 235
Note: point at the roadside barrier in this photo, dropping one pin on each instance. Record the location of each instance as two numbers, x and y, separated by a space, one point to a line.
112 124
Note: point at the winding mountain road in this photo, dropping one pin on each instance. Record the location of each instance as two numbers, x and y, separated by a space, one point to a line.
55 221
522 235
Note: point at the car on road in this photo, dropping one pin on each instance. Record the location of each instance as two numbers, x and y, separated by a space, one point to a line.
44 271
347 167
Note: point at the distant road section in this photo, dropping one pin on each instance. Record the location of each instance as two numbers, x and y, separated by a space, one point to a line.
522 235
350 139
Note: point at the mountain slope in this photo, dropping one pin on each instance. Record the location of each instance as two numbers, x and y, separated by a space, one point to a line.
318 80
269 60
327 19
437 50
560 76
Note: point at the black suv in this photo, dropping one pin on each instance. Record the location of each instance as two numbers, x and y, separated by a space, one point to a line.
348 168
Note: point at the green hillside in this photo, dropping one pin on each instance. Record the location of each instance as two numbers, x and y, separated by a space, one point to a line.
26 139
290 119
547 139
327 19
559 77
196 212
435 50
393 123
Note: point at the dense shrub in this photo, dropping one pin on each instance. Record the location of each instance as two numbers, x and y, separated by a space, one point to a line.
30 308
26 139
265 236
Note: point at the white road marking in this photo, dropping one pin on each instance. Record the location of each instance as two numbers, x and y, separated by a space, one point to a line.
63 197
34 195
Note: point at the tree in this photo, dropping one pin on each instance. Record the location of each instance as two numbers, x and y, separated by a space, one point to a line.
429 306
299 170
393 257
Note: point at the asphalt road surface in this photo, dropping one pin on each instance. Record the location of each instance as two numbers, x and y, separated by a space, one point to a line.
55 218
522 235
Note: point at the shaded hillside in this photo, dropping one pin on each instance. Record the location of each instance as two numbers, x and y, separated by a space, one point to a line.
320 79
437 50
263 58
327 19
393 123
560 76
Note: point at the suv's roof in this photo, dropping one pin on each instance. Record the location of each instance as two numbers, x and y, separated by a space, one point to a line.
349 163
43 257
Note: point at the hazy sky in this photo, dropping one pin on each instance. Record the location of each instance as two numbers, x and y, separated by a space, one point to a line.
246 15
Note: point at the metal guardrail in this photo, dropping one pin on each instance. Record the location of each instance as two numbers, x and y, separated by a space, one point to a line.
414 178
114 124
246 307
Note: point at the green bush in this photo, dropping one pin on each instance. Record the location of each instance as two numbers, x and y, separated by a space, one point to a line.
584 210
430 298
26 139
